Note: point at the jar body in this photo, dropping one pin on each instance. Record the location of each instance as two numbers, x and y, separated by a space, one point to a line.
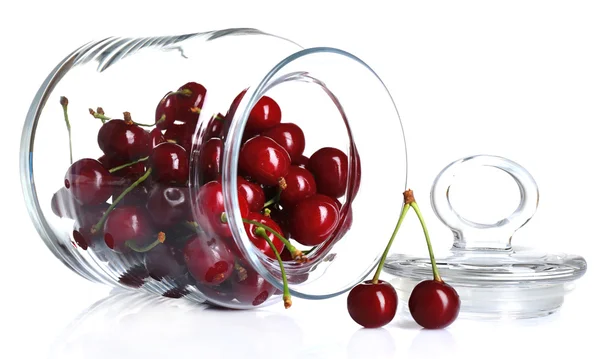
151 163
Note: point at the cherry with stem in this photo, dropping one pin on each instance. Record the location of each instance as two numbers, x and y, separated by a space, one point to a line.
287 298
64 102
118 168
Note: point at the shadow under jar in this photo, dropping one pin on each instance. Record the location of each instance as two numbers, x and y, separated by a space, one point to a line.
162 163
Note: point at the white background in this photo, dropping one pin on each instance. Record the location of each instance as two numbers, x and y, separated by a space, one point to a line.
519 79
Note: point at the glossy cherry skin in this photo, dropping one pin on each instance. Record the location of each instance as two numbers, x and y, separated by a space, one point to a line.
208 260
156 138
330 168
301 161
128 223
189 106
372 305
182 134
85 219
253 290
168 205
63 204
166 111
313 220
300 185
253 193
265 114
258 241
281 216
128 142
433 304
169 163
89 182
264 160
165 261
210 207
290 137
214 128
211 157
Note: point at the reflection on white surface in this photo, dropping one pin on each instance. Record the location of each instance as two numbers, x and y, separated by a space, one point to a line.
371 343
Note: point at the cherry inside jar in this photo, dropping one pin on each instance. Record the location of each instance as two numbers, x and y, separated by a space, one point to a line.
240 183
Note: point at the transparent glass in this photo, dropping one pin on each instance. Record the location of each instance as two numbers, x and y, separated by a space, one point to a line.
161 187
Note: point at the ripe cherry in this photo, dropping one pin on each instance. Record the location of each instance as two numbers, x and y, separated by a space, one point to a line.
85 218
190 101
169 163
210 159
372 305
168 205
166 111
165 261
128 224
253 289
89 182
128 142
434 304
156 138
63 204
300 184
265 161
253 193
210 206
259 241
214 128
182 134
265 114
330 168
208 260
301 161
290 137
313 220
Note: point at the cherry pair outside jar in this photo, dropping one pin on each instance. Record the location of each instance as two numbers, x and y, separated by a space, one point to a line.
160 164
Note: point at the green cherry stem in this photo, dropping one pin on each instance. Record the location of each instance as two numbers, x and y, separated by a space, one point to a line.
100 223
287 298
273 200
115 169
99 114
389 245
159 240
436 273
64 102
129 121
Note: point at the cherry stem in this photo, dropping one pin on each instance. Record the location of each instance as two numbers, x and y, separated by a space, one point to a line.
287 298
434 268
129 121
159 240
64 102
100 223
273 200
115 169
99 114
241 272
389 245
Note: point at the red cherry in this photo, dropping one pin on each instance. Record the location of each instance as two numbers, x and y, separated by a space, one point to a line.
128 223
301 161
264 160
264 115
434 304
166 111
156 138
165 261
300 185
128 142
253 289
259 241
210 159
210 207
169 163
218 294
313 220
372 305
290 137
168 205
208 260
253 193
85 218
182 134
330 168
281 216
63 204
89 182
214 128
190 104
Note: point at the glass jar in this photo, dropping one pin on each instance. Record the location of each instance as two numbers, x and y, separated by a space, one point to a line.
162 163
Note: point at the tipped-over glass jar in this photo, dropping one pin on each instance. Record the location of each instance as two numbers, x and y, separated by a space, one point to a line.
207 165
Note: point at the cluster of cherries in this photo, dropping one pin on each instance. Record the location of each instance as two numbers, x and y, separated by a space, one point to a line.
135 198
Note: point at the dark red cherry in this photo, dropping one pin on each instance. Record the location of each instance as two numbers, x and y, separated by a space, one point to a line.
226 123
330 168
313 220
290 137
89 182
259 241
210 159
63 204
132 171
219 294
264 160
300 185
301 161
85 219
136 197
128 223
372 305
253 193
156 138
281 216
434 304
189 104
210 207
168 205
253 289
208 260
166 111
169 163
128 142
214 128
181 134
264 115
165 261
